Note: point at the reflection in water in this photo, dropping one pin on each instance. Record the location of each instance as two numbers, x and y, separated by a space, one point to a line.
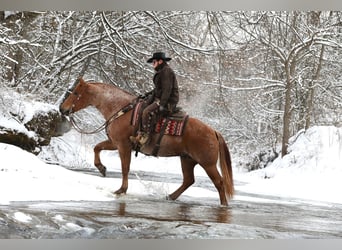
122 209
172 211
200 214
224 215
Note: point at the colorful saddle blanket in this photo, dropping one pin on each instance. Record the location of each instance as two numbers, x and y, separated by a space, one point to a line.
175 123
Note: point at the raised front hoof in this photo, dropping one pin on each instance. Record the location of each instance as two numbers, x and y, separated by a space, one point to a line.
102 169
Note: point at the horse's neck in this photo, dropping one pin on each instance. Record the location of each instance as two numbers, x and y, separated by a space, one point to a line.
109 99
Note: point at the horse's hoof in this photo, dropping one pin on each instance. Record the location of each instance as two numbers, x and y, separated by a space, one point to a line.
118 194
120 191
103 171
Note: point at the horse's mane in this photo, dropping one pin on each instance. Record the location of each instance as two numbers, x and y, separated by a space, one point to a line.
112 86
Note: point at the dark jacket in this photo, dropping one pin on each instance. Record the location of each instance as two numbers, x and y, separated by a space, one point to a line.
166 86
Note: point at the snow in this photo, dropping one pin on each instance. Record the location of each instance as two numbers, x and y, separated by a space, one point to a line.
22 110
22 217
15 125
23 107
311 171
9 13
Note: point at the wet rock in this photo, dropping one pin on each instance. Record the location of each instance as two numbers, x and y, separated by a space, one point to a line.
37 132
262 158
47 125
28 123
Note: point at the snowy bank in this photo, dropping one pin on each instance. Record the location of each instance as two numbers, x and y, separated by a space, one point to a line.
311 170
27 123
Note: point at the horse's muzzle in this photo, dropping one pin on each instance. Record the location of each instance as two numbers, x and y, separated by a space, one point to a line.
64 111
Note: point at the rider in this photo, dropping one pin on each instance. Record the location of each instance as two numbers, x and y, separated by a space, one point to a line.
163 98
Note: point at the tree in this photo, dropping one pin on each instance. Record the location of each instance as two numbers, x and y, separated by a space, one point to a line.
293 40
260 76
118 43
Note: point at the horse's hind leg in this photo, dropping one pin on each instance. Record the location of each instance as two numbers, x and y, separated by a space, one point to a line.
216 178
105 145
188 165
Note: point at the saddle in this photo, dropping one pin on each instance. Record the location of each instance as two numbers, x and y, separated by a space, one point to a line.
165 124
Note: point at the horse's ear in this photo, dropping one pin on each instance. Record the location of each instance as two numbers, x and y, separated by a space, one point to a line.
82 81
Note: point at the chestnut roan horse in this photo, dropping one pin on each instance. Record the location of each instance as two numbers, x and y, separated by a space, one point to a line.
199 144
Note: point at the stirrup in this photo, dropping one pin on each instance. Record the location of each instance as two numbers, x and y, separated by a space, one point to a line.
133 139
143 139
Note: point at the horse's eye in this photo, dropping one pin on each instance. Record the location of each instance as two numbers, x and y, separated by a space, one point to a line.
75 93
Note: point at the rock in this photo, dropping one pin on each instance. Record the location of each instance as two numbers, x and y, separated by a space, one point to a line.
37 132
47 125
20 139
29 123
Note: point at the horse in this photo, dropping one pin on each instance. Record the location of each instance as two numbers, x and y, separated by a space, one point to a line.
199 143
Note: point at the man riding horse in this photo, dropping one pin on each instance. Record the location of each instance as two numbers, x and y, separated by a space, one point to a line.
162 99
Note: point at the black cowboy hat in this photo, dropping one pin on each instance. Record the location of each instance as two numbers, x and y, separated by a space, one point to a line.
158 56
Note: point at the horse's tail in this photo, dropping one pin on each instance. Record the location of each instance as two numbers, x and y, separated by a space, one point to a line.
226 166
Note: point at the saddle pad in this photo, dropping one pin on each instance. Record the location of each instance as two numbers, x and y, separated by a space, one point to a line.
173 127
136 113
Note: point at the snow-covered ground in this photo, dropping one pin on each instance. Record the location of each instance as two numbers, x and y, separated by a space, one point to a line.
311 171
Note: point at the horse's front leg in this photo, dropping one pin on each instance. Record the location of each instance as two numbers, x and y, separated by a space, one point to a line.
105 145
125 157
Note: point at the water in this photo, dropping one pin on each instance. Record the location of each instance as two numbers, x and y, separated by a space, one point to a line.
149 217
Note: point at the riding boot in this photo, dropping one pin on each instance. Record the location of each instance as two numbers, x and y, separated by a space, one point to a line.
142 138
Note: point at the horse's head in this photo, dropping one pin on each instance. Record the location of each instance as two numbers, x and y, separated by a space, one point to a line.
75 100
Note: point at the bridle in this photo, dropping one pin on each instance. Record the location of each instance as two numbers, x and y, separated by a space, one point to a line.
104 125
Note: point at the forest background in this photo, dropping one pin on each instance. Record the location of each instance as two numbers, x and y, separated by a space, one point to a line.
257 77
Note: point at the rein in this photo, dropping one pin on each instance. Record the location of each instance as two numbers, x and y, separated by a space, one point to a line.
115 116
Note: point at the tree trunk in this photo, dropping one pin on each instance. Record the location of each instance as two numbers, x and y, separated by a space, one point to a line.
287 111
312 91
